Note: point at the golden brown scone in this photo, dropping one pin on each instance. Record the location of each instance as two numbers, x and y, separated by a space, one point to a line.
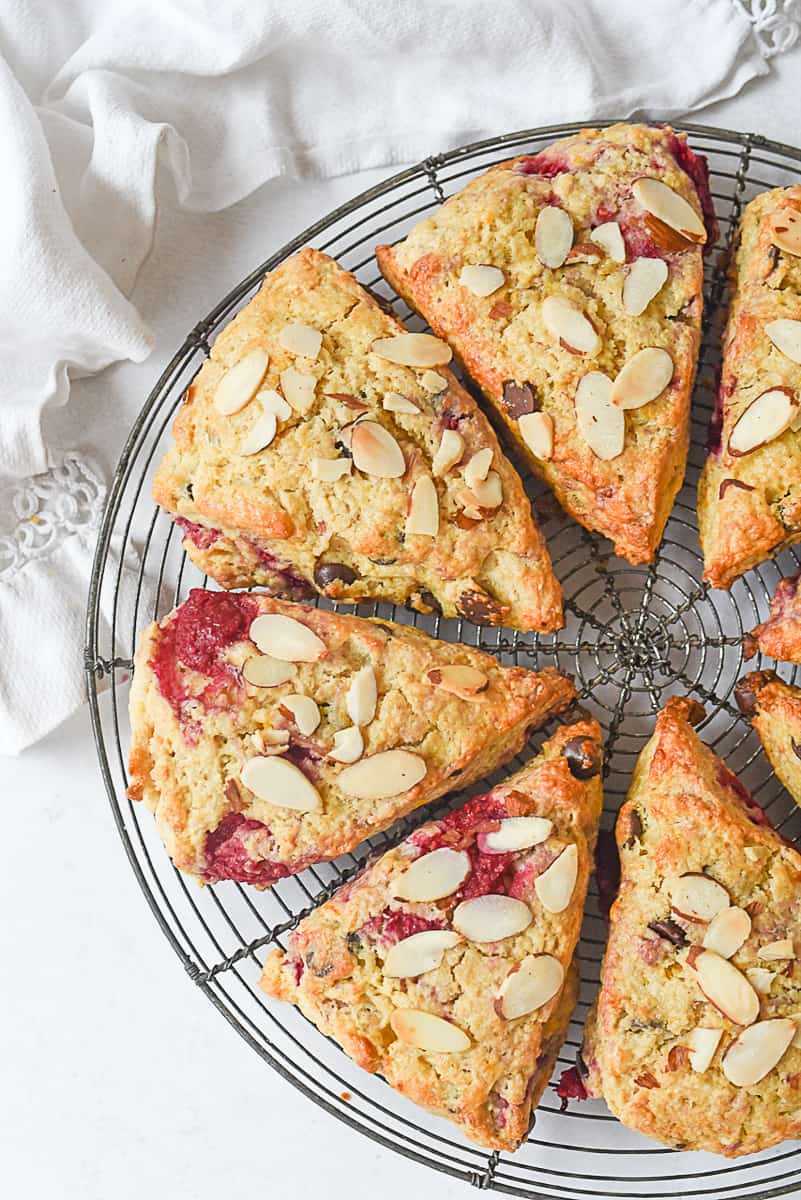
693 1040
780 635
492 979
636 280
424 509
240 775
749 498
774 708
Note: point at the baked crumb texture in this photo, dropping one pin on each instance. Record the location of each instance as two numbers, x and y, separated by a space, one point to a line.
587 278
338 966
780 635
749 493
774 708
344 472
350 724
691 1040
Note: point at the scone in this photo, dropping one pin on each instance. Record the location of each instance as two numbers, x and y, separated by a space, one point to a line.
780 635
569 283
447 964
695 1036
749 493
774 708
267 736
323 448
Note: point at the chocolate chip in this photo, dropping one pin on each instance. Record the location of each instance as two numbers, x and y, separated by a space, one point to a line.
748 689
725 484
607 870
429 604
635 828
519 399
353 942
190 491
795 747
670 931
343 449
584 757
332 572
383 562
480 608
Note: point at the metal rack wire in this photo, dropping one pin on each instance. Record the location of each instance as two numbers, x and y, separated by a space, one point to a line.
634 635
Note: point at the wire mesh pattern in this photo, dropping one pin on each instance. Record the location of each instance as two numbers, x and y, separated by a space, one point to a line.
633 636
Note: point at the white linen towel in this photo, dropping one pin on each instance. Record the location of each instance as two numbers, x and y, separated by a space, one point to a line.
95 94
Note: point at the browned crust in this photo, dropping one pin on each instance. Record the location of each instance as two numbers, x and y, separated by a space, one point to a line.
775 711
780 635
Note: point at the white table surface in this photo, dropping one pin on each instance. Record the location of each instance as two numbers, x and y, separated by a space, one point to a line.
117 1078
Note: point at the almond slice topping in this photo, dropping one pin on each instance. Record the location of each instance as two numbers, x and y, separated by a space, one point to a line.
668 206
260 434
432 382
419 953
274 402
553 236
727 931
395 402
329 470
305 712
488 492
449 452
390 773
423 516
702 1044
555 886
528 986
375 451
610 239
240 383
433 876
413 350
697 897
786 336
536 430
424 1031
757 1051
644 377
478 466
285 638
348 745
281 783
568 324
776 951
481 280
645 278
465 682
601 423
298 388
491 918
785 229
767 417
515 833
301 339
725 987
761 979
262 670
362 696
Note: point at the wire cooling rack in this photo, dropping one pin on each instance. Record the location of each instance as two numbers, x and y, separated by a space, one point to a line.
634 636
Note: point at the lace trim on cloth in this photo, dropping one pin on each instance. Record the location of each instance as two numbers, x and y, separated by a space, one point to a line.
777 23
49 507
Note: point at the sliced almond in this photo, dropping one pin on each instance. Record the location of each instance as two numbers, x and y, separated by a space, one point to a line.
395 402
477 467
301 339
329 470
527 987
584 252
727 931
491 918
568 324
645 278
610 239
767 417
362 696
488 492
553 235
777 951
465 682
281 783
786 336
757 1051
413 350
555 886
304 711
644 377
348 745
449 451
601 423
260 434
275 737
298 388
697 897
274 402
536 430
380 776
702 1044
481 280
433 383
376 452
796 1018
785 229
433 876
668 206
424 1031
285 638
515 833
726 987
423 516
761 979
262 670
419 953
240 383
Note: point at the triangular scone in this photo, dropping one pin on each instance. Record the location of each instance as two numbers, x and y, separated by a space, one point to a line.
780 635
466 1020
267 736
308 457
548 275
749 493
691 1039
774 708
